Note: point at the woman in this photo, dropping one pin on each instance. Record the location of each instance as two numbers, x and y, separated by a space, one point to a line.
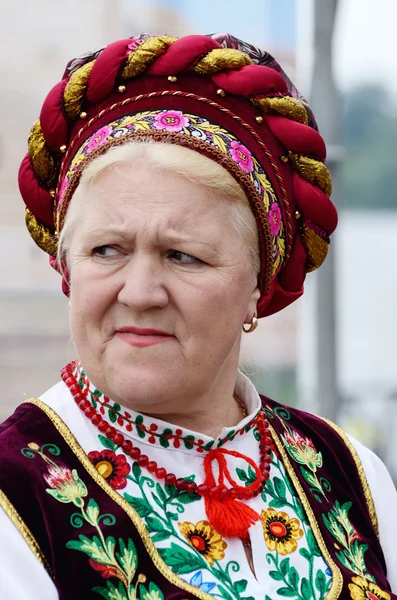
179 188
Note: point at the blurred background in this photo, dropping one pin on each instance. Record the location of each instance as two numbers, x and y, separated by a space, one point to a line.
333 352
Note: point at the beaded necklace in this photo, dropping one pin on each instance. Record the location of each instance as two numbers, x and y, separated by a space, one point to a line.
225 511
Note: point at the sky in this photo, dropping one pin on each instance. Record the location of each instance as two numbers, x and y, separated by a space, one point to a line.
365 38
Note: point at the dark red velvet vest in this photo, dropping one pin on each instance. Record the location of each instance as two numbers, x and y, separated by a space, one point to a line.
40 460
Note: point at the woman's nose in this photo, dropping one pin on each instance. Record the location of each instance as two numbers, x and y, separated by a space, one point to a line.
142 286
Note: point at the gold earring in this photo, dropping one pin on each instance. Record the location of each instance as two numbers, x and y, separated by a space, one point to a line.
253 324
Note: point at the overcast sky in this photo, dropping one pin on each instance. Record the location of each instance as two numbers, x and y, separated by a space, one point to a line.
365 42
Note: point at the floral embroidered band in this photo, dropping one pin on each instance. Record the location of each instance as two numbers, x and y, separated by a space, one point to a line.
199 129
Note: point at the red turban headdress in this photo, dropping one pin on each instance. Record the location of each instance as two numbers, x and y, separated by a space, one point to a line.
214 94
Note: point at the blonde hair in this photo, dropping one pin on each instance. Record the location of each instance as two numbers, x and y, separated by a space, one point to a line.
175 159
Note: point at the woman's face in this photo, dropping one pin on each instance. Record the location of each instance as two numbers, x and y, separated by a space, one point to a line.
160 287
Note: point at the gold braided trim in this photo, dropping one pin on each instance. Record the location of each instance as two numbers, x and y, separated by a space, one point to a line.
361 473
73 95
337 580
316 248
158 562
313 170
41 234
288 107
220 59
29 538
146 53
40 155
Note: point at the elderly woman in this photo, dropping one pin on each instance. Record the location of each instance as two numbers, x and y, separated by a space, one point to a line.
178 186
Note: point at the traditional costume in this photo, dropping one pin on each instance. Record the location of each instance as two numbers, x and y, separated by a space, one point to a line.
99 500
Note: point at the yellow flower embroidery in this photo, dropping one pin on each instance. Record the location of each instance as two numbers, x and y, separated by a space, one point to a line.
280 532
204 539
362 589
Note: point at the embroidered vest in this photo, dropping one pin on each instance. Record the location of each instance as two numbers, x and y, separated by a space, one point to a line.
113 553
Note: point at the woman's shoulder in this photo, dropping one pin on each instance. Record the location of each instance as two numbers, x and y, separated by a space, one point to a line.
26 424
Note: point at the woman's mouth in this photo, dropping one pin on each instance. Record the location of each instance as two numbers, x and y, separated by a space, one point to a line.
142 338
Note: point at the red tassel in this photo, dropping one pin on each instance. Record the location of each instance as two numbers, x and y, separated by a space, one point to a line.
225 513
230 518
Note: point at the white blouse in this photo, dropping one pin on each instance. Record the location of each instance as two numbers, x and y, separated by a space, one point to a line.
22 577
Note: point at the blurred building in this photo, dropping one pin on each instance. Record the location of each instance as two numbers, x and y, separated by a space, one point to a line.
36 41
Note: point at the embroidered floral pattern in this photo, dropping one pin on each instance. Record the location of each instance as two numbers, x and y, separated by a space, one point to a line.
171 120
281 533
114 560
350 548
302 451
204 539
197 581
242 156
142 425
113 467
362 589
98 138
65 485
201 129
275 218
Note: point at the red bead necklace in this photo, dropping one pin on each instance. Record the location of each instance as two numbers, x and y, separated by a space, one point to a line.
208 489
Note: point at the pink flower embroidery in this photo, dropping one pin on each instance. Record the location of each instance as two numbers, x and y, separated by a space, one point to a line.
65 485
275 218
171 120
242 156
98 138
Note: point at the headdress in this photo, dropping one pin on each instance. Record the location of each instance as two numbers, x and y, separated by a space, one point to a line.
214 94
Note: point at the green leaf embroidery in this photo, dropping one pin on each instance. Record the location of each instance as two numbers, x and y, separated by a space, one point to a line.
186 498
280 488
286 592
164 441
189 441
224 593
154 524
293 578
154 592
277 503
172 516
136 471
269 487
276 575
112 416
180 560
311 542
161 535
240 586
128 558
306 590
107 442
321 582
92 512
300 511
241 474
161 493
141 506
305 553
284 566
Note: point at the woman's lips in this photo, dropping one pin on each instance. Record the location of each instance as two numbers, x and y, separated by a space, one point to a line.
142 338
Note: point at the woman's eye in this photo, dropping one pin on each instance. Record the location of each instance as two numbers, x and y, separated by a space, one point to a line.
105 251
183 258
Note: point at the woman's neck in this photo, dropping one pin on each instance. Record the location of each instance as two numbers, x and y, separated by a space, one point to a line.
209 422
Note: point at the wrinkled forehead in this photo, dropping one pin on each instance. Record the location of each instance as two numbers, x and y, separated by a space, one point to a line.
135 196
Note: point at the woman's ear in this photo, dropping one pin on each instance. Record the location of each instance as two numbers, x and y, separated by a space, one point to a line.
251 310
